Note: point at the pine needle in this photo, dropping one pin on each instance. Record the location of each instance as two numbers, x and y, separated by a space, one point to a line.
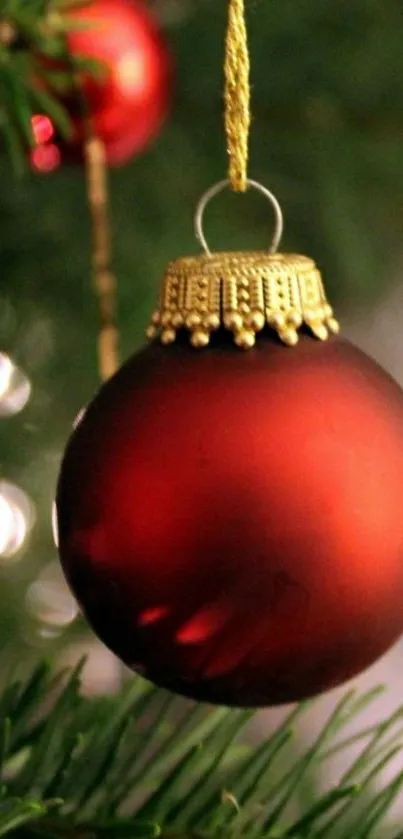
144 764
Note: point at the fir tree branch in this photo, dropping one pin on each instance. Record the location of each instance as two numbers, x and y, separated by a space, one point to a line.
34 73
144 764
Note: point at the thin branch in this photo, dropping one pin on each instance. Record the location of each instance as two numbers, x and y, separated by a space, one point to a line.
7 33
103 277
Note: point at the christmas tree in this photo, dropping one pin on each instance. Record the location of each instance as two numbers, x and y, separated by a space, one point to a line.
326 137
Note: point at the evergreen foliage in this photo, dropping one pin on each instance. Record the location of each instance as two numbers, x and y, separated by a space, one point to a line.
145 764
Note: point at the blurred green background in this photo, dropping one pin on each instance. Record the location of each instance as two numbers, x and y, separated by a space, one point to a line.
327 138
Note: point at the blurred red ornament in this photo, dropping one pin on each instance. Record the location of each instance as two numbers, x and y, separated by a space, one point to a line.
45 158
231 522
42 129
129 98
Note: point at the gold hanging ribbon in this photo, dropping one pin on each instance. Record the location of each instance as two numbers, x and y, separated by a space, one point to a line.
237 95
104 279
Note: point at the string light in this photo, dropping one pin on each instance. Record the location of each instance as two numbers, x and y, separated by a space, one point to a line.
16 519
15 387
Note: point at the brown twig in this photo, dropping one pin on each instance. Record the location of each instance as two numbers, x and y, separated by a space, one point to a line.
103 277
7 33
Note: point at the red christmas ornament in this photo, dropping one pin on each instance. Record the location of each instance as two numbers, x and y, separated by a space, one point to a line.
231 521
129 98
42 129
45 158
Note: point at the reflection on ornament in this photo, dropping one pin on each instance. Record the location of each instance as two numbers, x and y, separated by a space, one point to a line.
16 519
49 600
46 158
131 72
15 388
42 129
79 417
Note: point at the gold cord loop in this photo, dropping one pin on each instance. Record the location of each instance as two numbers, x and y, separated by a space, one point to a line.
237 95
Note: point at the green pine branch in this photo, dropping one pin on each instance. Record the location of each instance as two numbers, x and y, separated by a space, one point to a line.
145 764
34 72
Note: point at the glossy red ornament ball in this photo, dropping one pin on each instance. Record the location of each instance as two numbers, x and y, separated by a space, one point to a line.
129 97
231 522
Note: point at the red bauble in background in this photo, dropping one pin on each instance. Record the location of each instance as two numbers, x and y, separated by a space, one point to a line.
46 157
231 523
132 100
129 98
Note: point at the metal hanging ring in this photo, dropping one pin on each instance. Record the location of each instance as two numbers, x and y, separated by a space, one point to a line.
219 187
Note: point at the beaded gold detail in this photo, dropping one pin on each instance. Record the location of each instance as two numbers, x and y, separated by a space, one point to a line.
243 293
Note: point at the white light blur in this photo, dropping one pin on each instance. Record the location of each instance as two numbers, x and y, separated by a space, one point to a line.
79 417
16 519
50 601
6 371
15 387
55 525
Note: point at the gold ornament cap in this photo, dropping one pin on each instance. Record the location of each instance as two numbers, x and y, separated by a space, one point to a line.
242 292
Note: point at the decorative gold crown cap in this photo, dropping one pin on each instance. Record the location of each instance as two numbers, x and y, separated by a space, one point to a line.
241 292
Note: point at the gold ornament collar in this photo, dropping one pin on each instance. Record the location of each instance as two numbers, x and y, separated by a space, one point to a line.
242 292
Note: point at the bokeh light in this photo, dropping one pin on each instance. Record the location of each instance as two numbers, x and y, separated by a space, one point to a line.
55 525
46 158
17 517
50 601
42 128
15 387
